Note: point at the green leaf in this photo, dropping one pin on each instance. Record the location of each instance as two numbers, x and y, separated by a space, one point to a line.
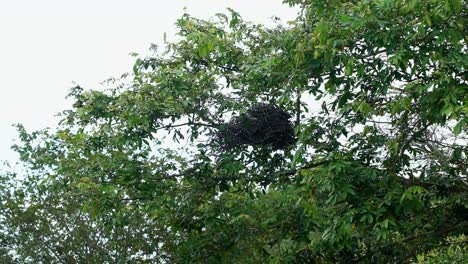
459 127
364 107
203 51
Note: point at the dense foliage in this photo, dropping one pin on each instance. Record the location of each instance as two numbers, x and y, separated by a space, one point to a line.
376 171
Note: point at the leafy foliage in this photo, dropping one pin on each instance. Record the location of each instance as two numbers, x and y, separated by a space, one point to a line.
377 173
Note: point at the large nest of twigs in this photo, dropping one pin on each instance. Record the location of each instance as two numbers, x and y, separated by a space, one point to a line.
261 125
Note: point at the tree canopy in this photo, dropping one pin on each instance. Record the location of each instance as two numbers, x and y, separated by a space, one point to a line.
370 168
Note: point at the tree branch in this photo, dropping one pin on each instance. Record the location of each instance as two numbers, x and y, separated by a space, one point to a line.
186 124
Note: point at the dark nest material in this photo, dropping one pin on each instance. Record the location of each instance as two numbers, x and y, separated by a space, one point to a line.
262 125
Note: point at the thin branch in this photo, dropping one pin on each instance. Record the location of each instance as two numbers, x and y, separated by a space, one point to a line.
187 124
436 233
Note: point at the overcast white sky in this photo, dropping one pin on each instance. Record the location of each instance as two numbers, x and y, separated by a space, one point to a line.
46 45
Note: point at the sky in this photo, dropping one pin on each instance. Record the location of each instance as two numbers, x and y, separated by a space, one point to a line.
48 46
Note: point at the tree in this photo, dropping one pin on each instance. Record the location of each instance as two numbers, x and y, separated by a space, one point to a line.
376 172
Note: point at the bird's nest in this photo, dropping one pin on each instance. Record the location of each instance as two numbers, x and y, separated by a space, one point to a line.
261 125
